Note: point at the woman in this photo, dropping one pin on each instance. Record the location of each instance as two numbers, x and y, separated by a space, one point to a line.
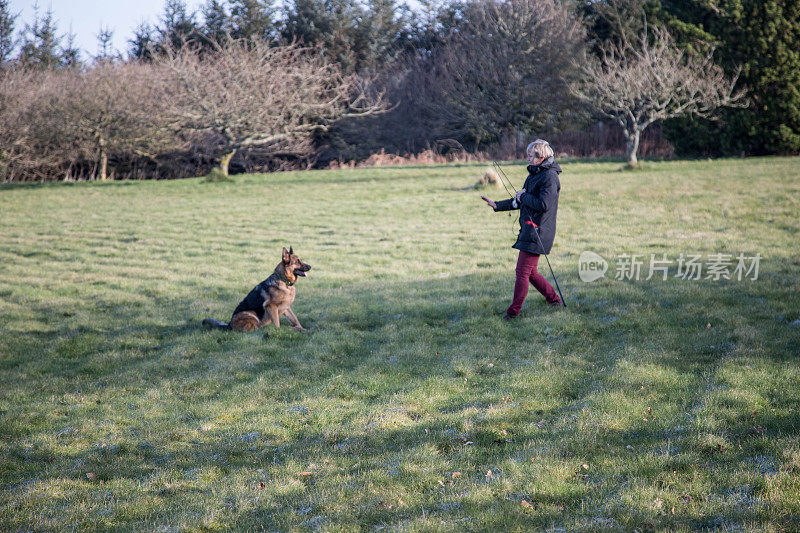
538 205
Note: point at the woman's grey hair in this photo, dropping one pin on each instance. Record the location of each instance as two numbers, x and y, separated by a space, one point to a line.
540 148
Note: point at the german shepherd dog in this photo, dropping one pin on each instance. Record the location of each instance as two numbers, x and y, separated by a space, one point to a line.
269 299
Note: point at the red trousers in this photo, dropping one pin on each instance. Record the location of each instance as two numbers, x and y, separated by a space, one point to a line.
527 273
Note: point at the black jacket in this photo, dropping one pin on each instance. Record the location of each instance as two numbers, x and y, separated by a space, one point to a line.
538 204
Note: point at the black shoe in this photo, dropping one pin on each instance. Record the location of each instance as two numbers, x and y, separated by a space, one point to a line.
509 317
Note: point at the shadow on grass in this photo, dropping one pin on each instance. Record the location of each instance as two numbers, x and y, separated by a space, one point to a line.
375 344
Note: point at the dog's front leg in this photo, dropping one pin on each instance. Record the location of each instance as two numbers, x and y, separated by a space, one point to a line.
272 312
293 319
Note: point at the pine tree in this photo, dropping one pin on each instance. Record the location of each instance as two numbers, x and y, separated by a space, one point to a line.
328 23
762 37
387 26
141 45
7 23
252 19
70 53
178 24
41 42
431 23
216 21
360 37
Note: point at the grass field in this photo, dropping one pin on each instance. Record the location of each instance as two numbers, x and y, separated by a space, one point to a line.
409 405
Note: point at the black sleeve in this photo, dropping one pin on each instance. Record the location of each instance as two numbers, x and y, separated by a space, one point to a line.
547 197
505 205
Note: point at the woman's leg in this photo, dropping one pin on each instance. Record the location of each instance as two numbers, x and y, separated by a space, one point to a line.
543 286
526 265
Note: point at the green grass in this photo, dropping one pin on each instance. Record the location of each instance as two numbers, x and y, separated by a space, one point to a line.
410 405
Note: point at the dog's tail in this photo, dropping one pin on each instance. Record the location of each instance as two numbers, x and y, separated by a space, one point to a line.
214 323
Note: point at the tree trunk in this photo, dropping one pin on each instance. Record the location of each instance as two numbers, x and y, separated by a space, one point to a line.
633 147
225 161
103 160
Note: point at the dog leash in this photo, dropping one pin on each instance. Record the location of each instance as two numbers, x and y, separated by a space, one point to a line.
502 175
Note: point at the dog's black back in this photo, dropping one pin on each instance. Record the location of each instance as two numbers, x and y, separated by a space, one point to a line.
255 299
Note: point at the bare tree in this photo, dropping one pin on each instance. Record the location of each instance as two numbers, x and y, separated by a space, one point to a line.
638 84
249 94
119 108
505 68
77 122
21 93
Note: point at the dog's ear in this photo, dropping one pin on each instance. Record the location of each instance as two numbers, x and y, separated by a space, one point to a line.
291 252
286 255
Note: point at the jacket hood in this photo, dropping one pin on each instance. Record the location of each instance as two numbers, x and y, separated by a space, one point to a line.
547 164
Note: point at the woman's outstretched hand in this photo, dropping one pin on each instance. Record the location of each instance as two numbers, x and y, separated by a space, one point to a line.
490 202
